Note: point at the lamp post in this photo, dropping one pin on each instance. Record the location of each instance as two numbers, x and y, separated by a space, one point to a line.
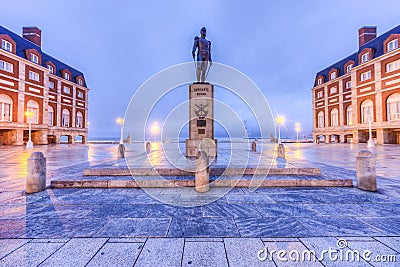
120 121
279 120
370 140
29 115
154 130
297 128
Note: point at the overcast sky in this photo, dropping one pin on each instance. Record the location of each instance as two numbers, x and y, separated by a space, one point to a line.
118 45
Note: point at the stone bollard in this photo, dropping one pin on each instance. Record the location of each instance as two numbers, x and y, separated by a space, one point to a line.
36 173
202 179
148 147
121 151
366 173
281 151
254 147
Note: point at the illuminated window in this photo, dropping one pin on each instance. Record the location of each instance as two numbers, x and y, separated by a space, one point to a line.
321 120
33 106
393 107
65 118
6 104
367 108
334 117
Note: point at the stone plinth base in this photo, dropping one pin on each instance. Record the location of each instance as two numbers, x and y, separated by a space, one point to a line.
193 146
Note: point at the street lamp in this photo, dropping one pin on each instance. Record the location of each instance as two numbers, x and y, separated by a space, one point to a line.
120 121
370 140
297 128
279 120
29 115
154 130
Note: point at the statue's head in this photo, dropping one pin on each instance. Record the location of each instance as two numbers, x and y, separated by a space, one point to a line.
203 31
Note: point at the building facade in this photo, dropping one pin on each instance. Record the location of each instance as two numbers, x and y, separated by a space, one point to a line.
54 94
360 90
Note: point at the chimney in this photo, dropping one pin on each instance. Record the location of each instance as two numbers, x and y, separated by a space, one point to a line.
366 34
33 34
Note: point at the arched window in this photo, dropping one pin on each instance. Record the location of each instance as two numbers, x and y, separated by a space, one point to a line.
393 107
321 120
334 117
51 116
33 106
349 115
65 118
6 104
367 111
79 119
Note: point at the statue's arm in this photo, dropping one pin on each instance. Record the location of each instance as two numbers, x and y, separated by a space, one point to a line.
209 51
195 44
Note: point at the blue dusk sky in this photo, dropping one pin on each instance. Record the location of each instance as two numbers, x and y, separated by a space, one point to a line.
280 45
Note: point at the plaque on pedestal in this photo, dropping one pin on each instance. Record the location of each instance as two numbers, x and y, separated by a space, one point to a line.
201 120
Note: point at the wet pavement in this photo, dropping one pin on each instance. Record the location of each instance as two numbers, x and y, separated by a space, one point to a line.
103 227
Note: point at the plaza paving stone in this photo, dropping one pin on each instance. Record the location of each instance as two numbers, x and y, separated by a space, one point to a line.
96 227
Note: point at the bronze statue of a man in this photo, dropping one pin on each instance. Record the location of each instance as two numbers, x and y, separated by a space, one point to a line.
203 47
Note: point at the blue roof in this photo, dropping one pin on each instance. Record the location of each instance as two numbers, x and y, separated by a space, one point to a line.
376 45
22 44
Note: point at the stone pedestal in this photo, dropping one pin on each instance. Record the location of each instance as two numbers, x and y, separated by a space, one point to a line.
201 120
202 178
254 147
121 151
36 173
281 151
366 172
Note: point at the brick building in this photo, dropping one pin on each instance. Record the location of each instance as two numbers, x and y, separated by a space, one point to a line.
362 87
30 80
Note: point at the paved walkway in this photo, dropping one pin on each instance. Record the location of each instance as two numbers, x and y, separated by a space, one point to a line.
103 227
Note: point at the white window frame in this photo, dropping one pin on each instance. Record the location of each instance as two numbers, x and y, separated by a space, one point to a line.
348 84
79 94
365 57
6 103
50 67
79 120
367 109
392 45
393 107
349 115
392 66
66 90
348 68
6 66
34 58
65 118
6 45
333 90
321 120
66 76
319 82
334 117
50 118
320 94
80 82
34 76
51 85
365 76
333 75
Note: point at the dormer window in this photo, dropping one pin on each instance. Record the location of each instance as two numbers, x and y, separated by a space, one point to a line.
66 76
392 45
319 82
333 75
34 58
80 82
6 45
365 57
348 68
50 67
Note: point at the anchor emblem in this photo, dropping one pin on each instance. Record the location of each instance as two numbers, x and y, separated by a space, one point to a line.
201 112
